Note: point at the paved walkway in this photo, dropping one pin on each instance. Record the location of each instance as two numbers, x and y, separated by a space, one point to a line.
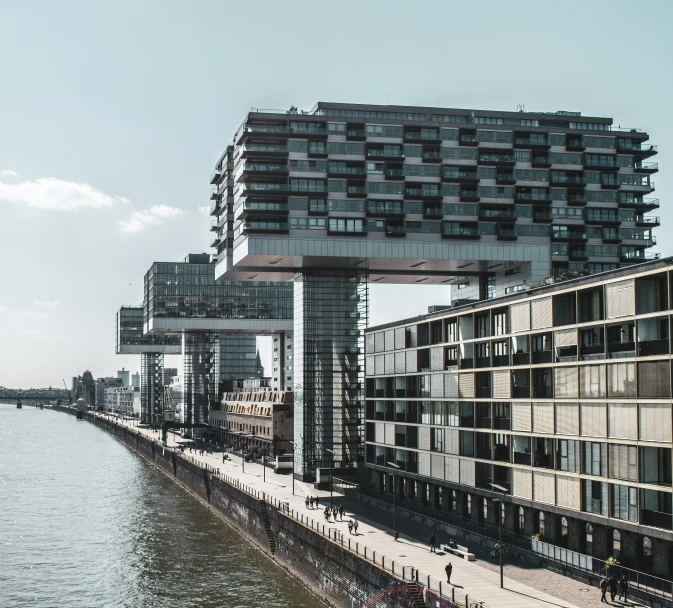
478 579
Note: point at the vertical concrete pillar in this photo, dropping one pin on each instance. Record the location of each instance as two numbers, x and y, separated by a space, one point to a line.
330 315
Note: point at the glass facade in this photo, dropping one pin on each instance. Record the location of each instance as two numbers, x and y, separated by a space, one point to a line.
151 388
129 338
330 317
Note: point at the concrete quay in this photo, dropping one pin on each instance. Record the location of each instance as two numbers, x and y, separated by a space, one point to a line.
480 583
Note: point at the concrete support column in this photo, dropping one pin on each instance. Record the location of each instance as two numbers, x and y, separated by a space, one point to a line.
330 315
200 352
151 388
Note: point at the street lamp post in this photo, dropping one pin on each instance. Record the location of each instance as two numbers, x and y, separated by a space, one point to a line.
395 467
501 502
331 473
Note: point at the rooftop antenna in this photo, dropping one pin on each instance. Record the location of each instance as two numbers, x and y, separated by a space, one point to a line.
520 107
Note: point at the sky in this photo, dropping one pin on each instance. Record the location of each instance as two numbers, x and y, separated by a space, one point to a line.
113 114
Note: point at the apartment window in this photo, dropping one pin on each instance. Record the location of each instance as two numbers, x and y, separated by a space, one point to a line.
336 128
540 524
589 539
564 528
522 520
347 225
316 147
454 505
468 505
437 438
616 543
522 156
647 548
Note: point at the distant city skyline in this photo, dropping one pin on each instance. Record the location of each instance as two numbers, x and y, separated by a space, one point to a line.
107 153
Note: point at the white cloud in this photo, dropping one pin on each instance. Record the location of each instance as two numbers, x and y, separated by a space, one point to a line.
3 333
155 215
205 210
57 195
8 173
40 304
32 314
2 308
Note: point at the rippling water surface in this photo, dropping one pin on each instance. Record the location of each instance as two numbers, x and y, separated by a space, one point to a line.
84 522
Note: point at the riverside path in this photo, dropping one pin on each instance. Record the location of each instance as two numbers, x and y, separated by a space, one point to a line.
412 548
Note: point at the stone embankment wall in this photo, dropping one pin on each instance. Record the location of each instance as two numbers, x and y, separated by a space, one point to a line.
338 576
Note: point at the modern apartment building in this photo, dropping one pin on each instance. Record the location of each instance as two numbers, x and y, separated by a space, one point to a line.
349 195
254 417
561 395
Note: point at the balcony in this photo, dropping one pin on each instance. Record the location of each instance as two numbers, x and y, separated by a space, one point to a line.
484 453
542 356
505 234
508 214
646 204
467 138
385 208
649 348
542 217
482 392
541 161
648 222
385 153
214 208
577 199
500 360
520 358
483 362
345 171
564 180
261 208
638 256
542 392
523 196
469 196
356 191
505 179
656 519
213 194
215 241
618 350
575 144
646 167
592 352
521 392
488 157
611 236
602 217
600 165
356 134
522 458
639 149
422 192
459 177
213 225
432 213
269 227
396 230
394 174
466 363
460 232
578 255
257 168
215 176
432 156
569 235
532 141
422 135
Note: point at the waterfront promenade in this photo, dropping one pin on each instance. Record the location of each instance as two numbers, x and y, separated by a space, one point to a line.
523 587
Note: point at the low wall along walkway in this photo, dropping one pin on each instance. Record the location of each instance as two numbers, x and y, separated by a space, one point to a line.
340 571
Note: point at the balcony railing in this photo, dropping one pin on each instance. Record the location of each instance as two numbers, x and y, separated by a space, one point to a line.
656 519
520 358
522 458
648 348
521 392
542 356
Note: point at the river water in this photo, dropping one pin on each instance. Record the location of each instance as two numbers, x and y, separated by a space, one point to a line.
85 522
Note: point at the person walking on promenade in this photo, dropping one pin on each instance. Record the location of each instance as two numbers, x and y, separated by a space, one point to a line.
433 541
327 513
341 512
306 502
356 523
448 570
604 588
350 526
624 589
613 587
317 502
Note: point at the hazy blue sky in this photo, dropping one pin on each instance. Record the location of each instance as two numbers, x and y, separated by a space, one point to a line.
112 115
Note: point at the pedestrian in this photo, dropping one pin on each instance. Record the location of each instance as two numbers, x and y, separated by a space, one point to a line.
317 503
356 523
310 500
306 502
613 587
341 512
624 589
448 570
433 541
350 526
604 588
327 513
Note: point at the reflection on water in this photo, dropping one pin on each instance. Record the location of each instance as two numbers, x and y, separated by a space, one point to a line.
84 522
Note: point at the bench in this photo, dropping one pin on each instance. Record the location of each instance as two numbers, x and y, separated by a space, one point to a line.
460 551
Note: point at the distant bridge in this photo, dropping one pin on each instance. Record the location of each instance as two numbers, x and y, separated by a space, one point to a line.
33 394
